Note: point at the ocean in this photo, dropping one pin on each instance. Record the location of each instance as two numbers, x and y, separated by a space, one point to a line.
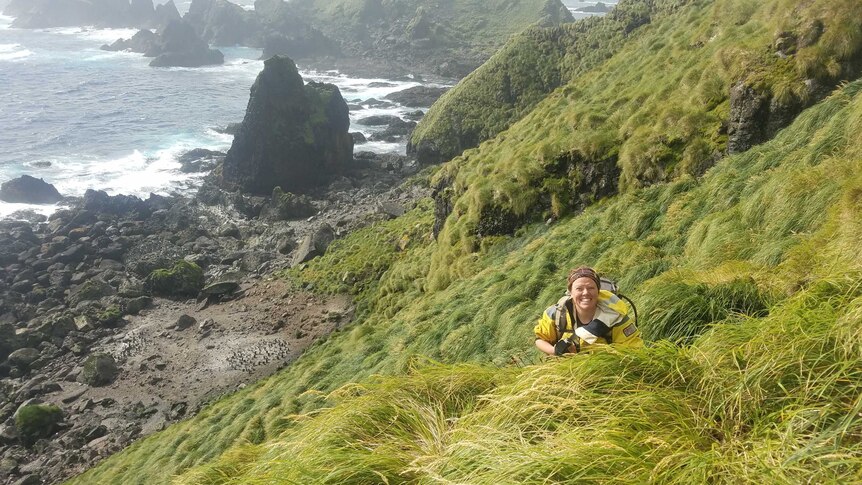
82 118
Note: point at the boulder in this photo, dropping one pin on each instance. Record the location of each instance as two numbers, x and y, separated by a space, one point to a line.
29 190
22 358
37 421
90 290
99 202
200 160
314 244
183 279
293 136
184 322
285 206
417 96
99 370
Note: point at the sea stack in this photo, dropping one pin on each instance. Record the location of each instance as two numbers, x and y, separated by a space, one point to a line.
294 136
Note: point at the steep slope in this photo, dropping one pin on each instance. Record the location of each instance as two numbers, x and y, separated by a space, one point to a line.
764 246
451 38
528 68
717 76
754 391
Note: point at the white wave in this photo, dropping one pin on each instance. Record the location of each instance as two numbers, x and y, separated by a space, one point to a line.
95 34
5 21
7 209
13 52
381 147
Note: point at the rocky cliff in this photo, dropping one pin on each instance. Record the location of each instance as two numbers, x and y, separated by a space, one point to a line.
294 136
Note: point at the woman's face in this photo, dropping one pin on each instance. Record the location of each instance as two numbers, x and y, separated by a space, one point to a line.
585 294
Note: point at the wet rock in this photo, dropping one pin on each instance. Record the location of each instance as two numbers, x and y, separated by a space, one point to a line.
418 96
379 120
200 160
29 190
358 138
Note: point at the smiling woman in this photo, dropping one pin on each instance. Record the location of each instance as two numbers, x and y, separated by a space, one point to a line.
586 316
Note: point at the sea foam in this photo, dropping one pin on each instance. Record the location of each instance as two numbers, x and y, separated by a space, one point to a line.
13 52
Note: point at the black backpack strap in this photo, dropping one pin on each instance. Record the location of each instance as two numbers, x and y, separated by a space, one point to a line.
566 307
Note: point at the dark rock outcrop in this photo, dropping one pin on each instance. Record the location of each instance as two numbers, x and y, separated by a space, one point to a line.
223 23
302 44
293 136
165 14
179 46
200 160
755 117
142 42
29 190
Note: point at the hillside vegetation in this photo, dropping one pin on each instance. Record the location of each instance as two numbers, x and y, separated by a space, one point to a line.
528 68
748 279
456 35
658 110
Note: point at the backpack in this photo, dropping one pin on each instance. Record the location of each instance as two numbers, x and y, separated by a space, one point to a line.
566 306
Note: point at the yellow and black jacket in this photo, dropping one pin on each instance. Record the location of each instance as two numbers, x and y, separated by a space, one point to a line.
610 325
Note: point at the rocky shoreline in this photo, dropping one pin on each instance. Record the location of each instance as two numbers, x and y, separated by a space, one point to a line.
86 326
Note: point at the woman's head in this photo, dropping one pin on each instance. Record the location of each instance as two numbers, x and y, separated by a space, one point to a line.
584 285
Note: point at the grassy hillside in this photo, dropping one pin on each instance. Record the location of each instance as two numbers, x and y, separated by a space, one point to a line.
528 68
656 111
772 396
459 33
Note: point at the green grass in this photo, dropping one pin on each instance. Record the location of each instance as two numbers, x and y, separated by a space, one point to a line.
521 74
656 109
769 240
750 273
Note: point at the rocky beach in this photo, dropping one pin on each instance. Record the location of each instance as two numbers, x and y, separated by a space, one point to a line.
128 314
135 289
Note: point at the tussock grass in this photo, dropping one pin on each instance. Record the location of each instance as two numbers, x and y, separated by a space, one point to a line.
760 395
656 107
775 399
767 389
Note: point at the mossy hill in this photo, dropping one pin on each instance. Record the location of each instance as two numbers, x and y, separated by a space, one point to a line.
521 74
748 279
452 37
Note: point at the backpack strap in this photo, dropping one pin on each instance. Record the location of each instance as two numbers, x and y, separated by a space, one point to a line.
566 306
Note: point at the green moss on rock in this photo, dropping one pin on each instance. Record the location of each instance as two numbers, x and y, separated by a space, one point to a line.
99 370
37 421
183 279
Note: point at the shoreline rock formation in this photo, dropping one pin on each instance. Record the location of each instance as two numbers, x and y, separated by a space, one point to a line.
293 136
